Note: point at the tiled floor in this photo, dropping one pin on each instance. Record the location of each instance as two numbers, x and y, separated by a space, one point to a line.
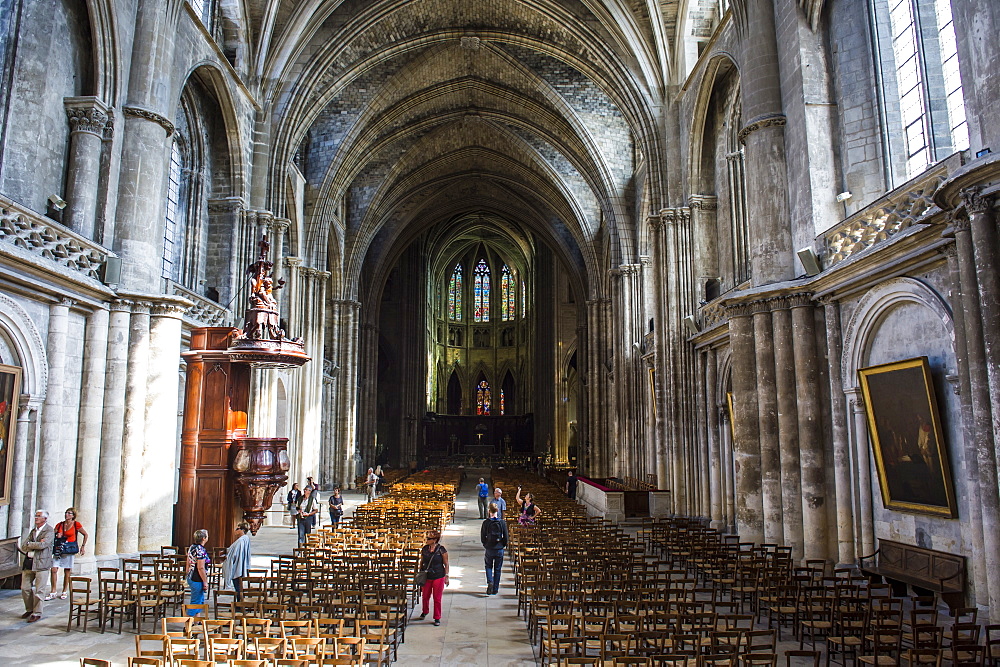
475 629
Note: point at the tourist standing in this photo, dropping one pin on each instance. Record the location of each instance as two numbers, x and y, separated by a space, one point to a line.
529 511
336 507
434 561
571 482
493 535
237 563
293 498
70 531
484 497
198 564
306 518
371 481
37 550
499 501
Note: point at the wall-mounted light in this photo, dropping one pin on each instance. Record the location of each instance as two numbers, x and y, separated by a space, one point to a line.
691 324
843 196
57 202
810 261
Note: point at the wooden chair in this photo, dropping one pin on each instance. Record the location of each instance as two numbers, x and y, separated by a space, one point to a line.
182 648
968 656
201 609
115 600
802 658
219 649
248 663
671 660
310 649
138 661
758 659
883 645
148 601
82 603
94 662
993 645
188 662
847 635
922 657
151 646
266 648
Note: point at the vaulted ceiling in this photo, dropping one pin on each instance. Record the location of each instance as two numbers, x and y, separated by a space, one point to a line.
402 114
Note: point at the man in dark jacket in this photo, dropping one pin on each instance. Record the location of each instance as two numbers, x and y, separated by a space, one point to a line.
493 535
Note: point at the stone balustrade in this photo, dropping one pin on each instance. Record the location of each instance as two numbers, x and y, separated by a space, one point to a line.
900 209
204 312
47 239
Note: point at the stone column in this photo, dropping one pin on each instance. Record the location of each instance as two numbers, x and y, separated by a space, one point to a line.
749 500
983 410
969 435
763 136
767 420
145 149
661 468
91 413
51 475
812 453
113 424
87 119
715 482
863 512
841 444
728 483
161 435
788 427
134 431
27 412
345 338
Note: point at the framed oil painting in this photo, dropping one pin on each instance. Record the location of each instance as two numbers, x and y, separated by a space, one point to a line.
906 436
10 389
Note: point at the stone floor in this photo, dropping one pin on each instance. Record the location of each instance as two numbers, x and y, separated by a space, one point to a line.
475 629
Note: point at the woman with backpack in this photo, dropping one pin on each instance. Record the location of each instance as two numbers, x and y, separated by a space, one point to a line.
493 535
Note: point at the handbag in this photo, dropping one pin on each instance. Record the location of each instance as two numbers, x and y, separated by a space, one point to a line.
58 546
70 549
421 577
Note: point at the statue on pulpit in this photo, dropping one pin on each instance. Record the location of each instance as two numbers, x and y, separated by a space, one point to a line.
261 321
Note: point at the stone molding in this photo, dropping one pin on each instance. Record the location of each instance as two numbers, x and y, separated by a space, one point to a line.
470 42
740 310
146 114
28 343
960 222
141 307
86 114
199 310
630 269
226 205
868 315
759 123
800 300
174 310
674 215
120 306
292 262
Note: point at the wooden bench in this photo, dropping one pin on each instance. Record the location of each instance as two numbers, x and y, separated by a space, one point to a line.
10 563
902 564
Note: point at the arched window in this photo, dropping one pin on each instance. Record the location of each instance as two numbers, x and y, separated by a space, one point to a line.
484 399
508 287
173 236
524 300
737 196
923 110
503 408
482 292
455 294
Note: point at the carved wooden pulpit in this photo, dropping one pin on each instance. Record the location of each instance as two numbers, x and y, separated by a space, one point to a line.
225 475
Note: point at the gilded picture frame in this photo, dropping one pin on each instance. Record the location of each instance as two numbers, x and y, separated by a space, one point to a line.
10 391
904 427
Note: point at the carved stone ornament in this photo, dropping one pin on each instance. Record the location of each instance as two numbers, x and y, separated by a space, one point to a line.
91 120
772 120
139 112
975 202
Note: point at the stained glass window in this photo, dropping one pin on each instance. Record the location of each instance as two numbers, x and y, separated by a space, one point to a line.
508 287
483 398
524 301
503 407
482 292
455 294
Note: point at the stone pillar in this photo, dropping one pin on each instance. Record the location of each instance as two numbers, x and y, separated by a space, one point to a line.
91 412
767 423
841 444
145 149
51 475
346 357
161 437
728 483
788 427
27 412
662 468
863 511
771 258
982 408
749 501
113 424
812 453
715 482
968 425
134 431
88 117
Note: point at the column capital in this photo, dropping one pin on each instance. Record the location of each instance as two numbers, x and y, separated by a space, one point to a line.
64 301
800 300
86 114
168 309
960 221
225 205
292 261
674 215
655 222
120 306
280 225
630 269
152 116
703 202
761 122
975 201
735 310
